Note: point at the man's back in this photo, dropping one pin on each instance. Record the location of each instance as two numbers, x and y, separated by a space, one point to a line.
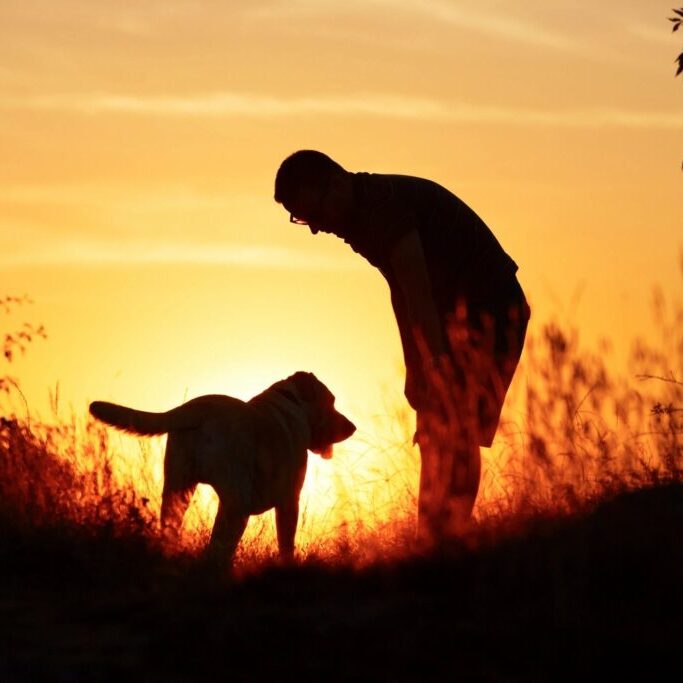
461 253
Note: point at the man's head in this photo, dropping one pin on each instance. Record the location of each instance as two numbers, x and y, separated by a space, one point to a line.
315 190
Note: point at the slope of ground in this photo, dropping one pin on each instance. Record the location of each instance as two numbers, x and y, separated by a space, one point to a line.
585 597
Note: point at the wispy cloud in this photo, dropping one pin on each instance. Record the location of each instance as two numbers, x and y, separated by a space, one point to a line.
171 197
133 19
487 20
123 253
482 18
227 104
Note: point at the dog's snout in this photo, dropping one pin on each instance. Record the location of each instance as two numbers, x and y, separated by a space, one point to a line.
344 427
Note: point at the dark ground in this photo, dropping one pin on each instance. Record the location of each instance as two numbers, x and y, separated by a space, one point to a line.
587 598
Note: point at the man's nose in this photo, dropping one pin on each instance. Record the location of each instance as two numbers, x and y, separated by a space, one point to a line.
313 229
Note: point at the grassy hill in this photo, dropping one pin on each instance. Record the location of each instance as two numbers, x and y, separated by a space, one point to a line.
562 599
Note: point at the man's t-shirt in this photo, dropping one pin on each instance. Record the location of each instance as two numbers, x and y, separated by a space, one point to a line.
464 260
463 257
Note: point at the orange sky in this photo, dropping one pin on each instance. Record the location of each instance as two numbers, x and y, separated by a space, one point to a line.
139 141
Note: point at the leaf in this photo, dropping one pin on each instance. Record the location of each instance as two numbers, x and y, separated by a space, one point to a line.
676 27
680 64
679 12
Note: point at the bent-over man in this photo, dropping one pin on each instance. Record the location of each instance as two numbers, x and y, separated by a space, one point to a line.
461 313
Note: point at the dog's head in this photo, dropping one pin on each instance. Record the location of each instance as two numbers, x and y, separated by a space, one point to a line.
328 426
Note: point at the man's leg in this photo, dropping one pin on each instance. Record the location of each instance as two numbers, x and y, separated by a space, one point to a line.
464 486
449 476
432 493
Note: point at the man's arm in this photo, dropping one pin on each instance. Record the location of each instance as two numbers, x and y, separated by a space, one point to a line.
408 264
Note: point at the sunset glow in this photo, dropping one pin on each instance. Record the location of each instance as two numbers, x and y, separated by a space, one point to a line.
138 148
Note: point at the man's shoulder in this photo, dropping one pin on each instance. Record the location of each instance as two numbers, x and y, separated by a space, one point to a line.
382 216
394 179
373 187
403 188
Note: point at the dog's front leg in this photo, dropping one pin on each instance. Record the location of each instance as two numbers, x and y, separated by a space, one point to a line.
286 519
226 534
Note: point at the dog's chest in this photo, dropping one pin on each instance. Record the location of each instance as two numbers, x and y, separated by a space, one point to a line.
258 460
279 466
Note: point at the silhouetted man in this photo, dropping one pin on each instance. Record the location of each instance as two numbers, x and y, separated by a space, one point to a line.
461 313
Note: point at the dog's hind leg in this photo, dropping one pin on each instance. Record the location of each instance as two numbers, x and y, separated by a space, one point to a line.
179 483
174 504
226 534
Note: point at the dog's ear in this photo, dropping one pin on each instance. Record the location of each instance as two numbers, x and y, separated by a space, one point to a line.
307 384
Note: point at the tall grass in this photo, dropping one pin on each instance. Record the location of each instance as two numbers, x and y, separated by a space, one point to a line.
573 433
60 476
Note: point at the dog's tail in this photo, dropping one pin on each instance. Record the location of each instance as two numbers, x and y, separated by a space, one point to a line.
130 420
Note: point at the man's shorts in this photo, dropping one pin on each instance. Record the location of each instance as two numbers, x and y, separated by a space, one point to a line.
485 348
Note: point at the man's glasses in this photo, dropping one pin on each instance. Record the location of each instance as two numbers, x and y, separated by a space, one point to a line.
298 221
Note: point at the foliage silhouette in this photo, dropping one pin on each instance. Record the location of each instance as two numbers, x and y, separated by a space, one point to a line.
16 341
676 21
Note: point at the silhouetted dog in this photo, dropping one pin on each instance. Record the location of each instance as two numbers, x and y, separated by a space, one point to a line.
253 453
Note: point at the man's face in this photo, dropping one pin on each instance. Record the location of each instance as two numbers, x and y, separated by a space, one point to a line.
309 208
320 208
